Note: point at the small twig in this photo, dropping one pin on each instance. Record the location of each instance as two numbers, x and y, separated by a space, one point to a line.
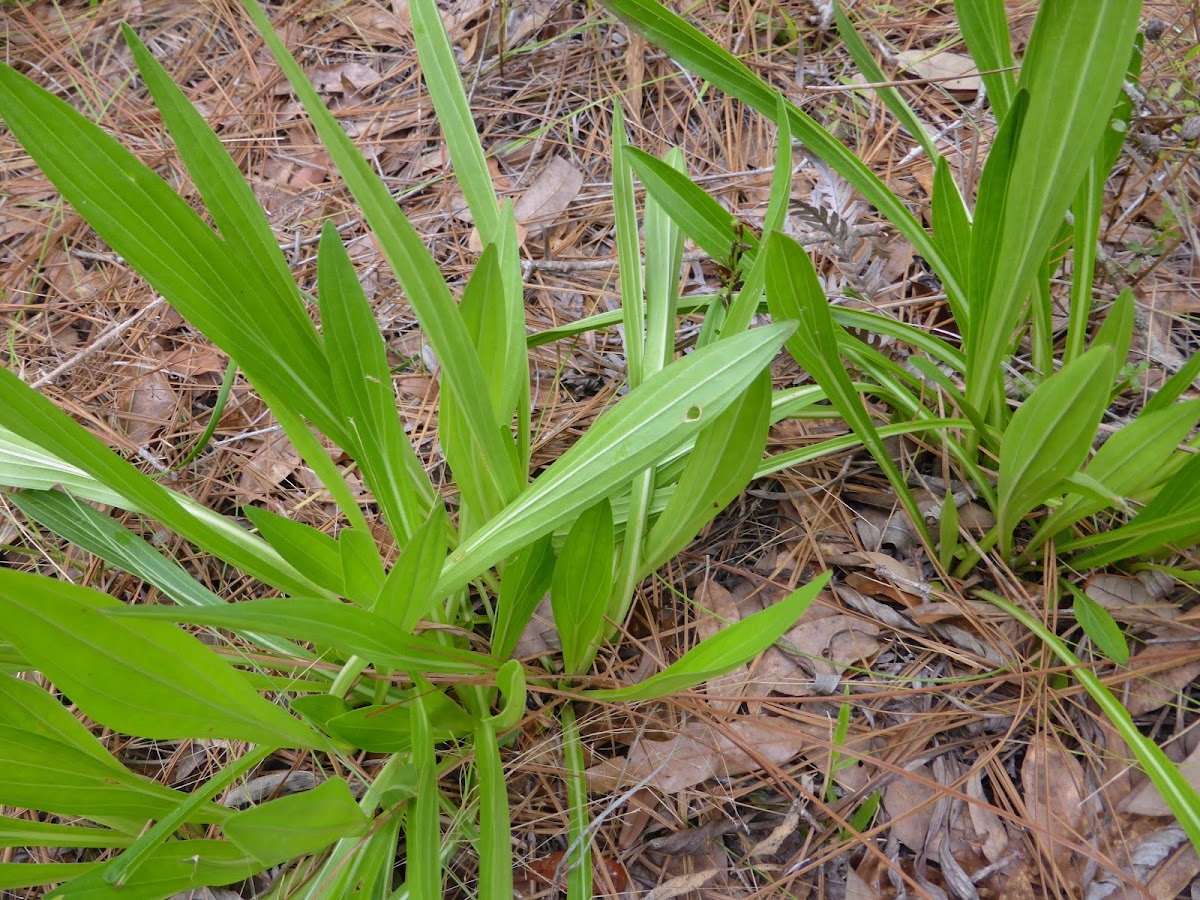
106 339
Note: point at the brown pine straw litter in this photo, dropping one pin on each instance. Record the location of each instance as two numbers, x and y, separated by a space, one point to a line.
998 779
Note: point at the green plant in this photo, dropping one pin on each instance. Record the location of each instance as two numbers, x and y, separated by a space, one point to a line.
1062 123
626 497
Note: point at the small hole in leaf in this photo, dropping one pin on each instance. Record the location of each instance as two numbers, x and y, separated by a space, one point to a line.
692 414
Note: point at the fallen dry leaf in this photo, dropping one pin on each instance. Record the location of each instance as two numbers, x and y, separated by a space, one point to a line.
910 826
1054 798
1147 801
544 201
953 71
146 404
701 751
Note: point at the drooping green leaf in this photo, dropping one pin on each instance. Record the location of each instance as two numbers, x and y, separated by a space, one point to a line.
293 826
664 412
1099 625
704 220
891 97
351 629
1181 798
1049 437
723 652
583 581
172 868
144 678
794 293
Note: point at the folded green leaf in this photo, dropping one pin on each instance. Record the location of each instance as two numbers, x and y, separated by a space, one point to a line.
718 469
723 652
362 383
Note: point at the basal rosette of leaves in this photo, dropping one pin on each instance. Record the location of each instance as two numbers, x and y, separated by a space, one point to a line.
341 659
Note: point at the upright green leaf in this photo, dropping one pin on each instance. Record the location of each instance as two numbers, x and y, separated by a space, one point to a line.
583 581
362 383
312 552
362 567
984 25
1049 437
1074 64
407 593
703 56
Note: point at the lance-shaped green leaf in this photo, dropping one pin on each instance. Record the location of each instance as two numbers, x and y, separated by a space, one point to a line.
362 567
171 869
362 383
422 827
1172 518
718 468
526 579
101 535
1128 463
412 264
663 413
1099 625
163 238
388 727
1073 67
144 678
794 293
583 581
1049 437
352 629
39 422
407 592
705 220
984 25
44 774
723 652
951 223
312 552
293 826
26 833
